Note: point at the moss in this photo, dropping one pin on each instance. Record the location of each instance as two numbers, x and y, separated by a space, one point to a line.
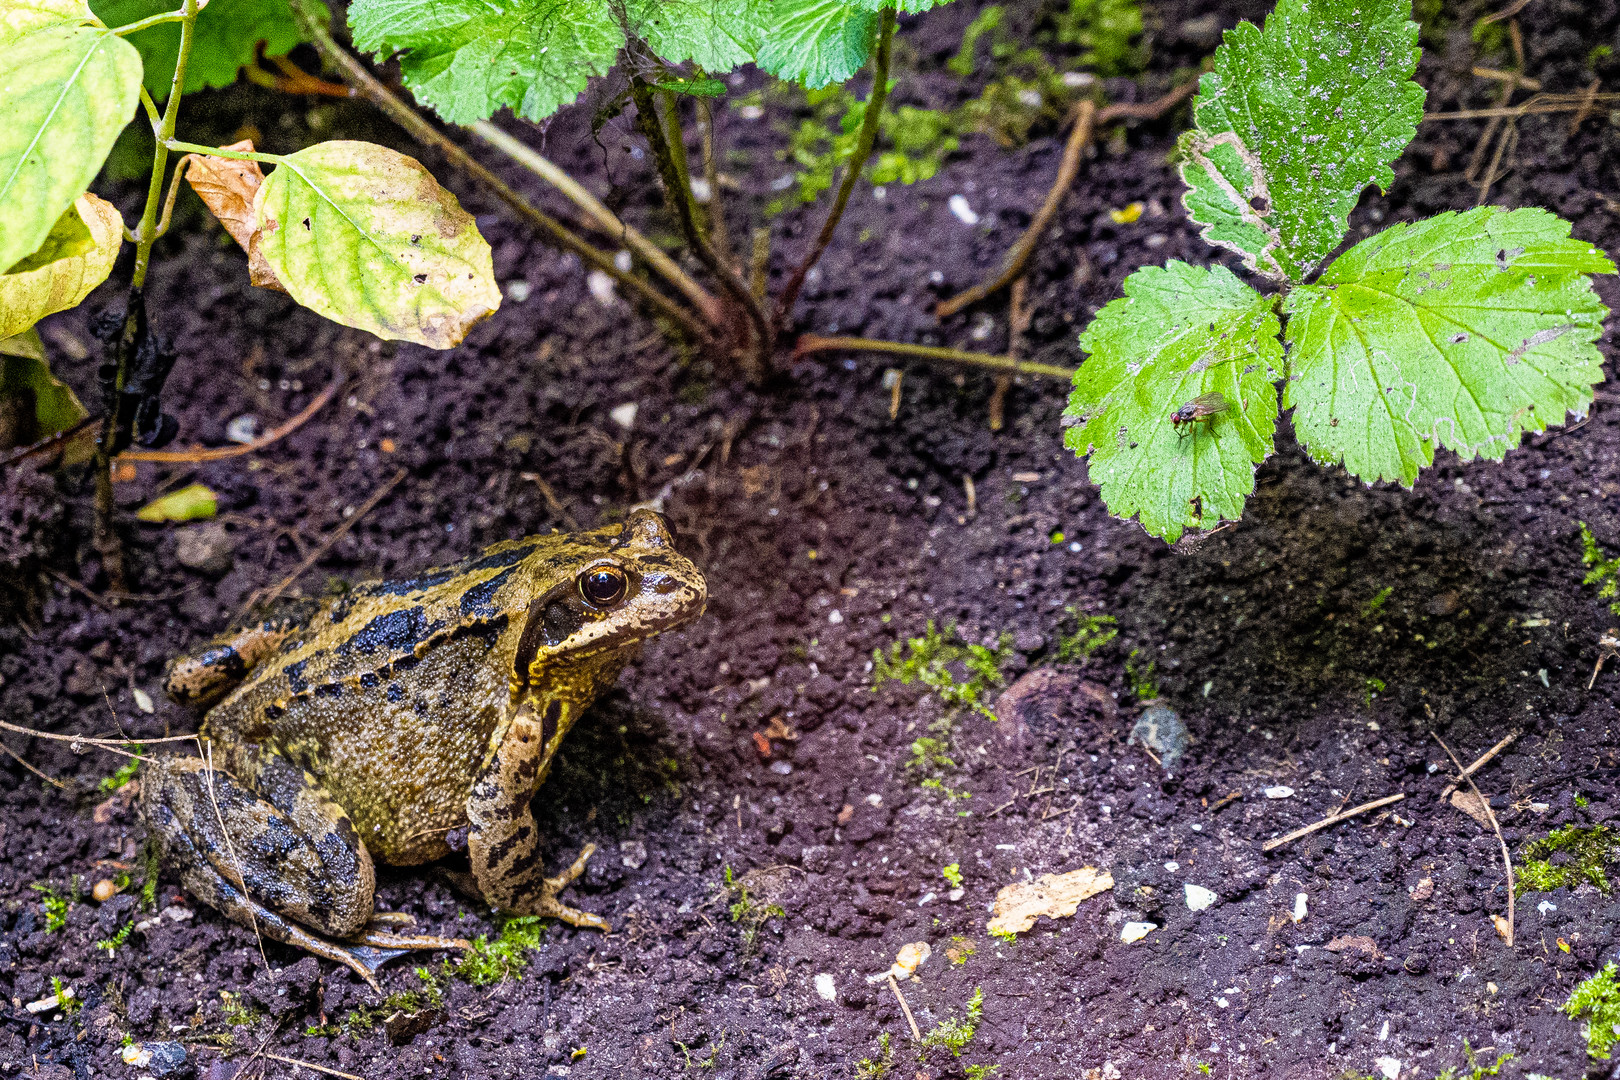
66 1000
56 902
981 1072
489 962
116 941
1598 1001
1602 572
1586 851
1091 633
1376 604
124 773
954 1034
958 951
1473 1069
1106 31
928 659
867 1069
237 1014
1141 676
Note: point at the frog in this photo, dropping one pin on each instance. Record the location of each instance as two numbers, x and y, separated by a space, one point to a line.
401 721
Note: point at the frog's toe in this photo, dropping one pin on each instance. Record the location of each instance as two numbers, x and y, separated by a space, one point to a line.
390 918
548 905
570 875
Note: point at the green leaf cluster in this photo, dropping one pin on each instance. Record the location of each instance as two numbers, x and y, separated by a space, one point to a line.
1598 1000
1463 331
1602 571
1091 633
1108 32
953 1034
227 35
467 59
1586 854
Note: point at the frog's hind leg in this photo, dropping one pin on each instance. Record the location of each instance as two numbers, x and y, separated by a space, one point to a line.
279 856
503 840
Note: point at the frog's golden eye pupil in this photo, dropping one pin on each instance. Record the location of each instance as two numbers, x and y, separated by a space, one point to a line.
603 586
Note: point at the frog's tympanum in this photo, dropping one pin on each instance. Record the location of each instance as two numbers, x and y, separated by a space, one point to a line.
399 722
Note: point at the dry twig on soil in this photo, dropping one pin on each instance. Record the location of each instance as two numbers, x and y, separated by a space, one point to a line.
1331 819
1484 803
219 453
814 343
916 1033
1479 763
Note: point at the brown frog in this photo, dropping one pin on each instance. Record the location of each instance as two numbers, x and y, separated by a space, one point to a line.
398 720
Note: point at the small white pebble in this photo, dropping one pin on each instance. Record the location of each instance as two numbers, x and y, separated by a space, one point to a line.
751 112
518 291
601 287
1076 79
143 700
1198 897
927 898
964 213
625 415
1031 98
1545 906
1136 931
622 261
701 191
1301 907
1172 866
781 768
835 616
955 894
874 799
244 429
1390 1067
825 989
1281 791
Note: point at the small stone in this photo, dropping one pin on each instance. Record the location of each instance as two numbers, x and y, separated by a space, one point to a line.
781 768
625 415
964 213
955 895
826 990
1546 906
1281 791
632 853
143 701
1389 1067
1136 931
1198 897
243 429
601 287
1161 731
208 549
168 1058
104 891
1301 907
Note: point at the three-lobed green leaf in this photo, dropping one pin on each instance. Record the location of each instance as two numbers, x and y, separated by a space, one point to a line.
1179 332
1294 121
1464 330
69 88
224 41
365 236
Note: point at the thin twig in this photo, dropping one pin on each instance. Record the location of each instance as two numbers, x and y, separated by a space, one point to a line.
1507 861
1506 13
605 219
18 759
1331 819
901 998
355 74
230 849
111 745
711 176
870 119
1086 120
312 1067
1478 764
1538 105
219 453
813 343
326 545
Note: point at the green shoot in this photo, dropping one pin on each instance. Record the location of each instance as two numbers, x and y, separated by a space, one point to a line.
954 1034
490 962
981 1072
66 1000
1602 572
958 951
1376 604
1374 687
867 1069
124 773
1473 1069
237 1014
1091 633
1587 851
953 875
985 22
56 903
1598 1000
115 942
927 660
1141 677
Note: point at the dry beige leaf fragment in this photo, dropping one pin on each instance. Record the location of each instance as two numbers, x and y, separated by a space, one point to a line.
227 187
1472 805
1054 895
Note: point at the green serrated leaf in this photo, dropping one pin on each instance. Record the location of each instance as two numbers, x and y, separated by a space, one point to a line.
66 90
467 59
1178 333
1464 331
817 42
365 236
908 7
1294 122
226 34
717 35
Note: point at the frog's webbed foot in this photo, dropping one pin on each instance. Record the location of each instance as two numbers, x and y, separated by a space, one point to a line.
546 903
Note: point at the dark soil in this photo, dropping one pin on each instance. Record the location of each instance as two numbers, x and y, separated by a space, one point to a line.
828 530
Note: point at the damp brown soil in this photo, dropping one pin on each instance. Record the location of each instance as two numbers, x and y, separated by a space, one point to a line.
1313 647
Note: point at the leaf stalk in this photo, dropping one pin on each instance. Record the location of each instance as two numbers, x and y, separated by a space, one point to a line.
814 343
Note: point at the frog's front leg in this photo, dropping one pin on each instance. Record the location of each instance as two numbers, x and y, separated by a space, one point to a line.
503 841
202 677
264 844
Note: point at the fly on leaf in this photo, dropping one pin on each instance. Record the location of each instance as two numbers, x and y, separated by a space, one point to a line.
1200 410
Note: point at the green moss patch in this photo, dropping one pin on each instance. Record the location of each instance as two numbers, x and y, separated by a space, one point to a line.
1566 857
1597 1000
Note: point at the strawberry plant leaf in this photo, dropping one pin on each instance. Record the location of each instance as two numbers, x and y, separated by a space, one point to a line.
716 35
817 42
1178 333
77 255
365 236
1464 330
1294 121
66 91
226 34
466 59
908 7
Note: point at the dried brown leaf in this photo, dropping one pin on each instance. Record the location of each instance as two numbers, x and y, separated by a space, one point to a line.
227 187
1054 895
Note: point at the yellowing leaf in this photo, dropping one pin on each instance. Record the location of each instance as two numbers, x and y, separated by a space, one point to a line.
366 237
67 91
47 404
76 257
188 504
1054 895
227 187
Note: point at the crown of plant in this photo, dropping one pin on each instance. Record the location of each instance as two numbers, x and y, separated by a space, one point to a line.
1462 331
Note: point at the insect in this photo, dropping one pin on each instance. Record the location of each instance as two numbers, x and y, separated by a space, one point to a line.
1200 410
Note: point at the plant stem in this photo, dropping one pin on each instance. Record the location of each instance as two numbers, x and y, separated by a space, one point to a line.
711 174
676 138
221 152
852 171
604 218
113 433
753 360
150 20
813 343
355 74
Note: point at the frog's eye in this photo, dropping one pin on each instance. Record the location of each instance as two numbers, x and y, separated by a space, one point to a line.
603 586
